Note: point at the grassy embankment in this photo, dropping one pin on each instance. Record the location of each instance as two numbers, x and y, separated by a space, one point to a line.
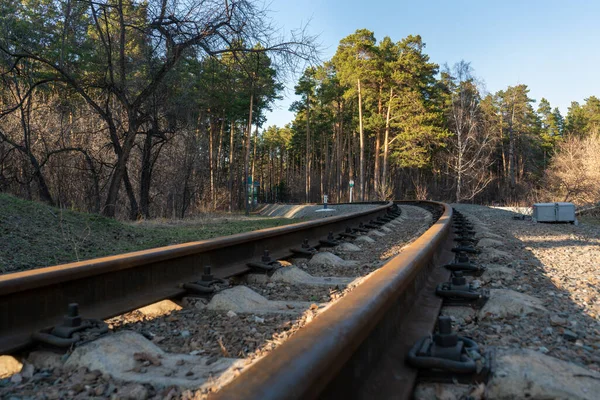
34 235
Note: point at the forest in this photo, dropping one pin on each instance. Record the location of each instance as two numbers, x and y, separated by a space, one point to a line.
148 109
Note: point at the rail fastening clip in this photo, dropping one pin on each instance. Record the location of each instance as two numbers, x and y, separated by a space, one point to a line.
448 357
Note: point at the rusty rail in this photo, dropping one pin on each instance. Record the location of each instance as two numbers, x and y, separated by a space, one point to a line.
109 286
356 348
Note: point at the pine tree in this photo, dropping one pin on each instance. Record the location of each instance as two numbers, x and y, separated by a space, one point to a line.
355 62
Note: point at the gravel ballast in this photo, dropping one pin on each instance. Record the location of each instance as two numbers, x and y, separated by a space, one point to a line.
190 328
560 265
543 318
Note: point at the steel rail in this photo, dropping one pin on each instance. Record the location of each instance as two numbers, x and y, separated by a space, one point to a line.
356 348
34 300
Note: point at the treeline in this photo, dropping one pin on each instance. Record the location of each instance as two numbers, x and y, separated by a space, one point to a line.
382 114
134 108
156 108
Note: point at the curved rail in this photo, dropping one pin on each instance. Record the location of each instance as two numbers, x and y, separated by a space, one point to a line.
337 353
34 300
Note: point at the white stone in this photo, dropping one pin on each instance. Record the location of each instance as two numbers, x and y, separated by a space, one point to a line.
486 242
495 272
133 392
161 308
441 391
326 258
296 276
114 355
460 314
45 359
535 376
504 303
365 239
482 234
495 255
347 246
241 299
27 371
9 366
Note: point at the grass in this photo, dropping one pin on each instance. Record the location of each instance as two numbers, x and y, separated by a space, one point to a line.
34 235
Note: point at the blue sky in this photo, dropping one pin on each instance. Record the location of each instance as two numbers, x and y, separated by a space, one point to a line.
551 46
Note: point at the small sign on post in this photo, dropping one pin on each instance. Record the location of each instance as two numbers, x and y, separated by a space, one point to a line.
325 209
351 189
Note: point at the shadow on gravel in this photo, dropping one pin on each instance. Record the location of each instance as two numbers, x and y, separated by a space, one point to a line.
212 333
557 263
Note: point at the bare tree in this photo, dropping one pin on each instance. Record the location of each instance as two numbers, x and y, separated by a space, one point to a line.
470 149
574 172
125 35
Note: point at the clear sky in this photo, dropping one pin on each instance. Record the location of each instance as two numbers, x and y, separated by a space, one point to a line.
551 46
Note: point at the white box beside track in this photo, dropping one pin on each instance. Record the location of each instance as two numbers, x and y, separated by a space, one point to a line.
554 212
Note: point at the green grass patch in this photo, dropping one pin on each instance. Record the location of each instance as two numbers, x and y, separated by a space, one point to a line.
34 235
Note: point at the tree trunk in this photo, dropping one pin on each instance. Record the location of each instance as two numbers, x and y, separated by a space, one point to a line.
307 180
278 196
253 165
247 155
25 115
211 162
220 152
231 136
376 175
43 190
134 210
350 166
511 153
321 174
362 145
340 152
120 168
459 167
384 178
146 176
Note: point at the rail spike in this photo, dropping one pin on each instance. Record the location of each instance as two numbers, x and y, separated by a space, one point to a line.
457 292
72 331
305 250
266 265
330 241
448 357
461 263
207 284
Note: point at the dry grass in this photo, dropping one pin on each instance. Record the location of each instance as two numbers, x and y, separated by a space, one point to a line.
33 235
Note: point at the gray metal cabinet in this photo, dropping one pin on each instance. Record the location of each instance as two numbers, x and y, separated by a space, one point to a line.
554 212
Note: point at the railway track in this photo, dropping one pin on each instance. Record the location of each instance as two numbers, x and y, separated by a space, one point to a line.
34 300
356 347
